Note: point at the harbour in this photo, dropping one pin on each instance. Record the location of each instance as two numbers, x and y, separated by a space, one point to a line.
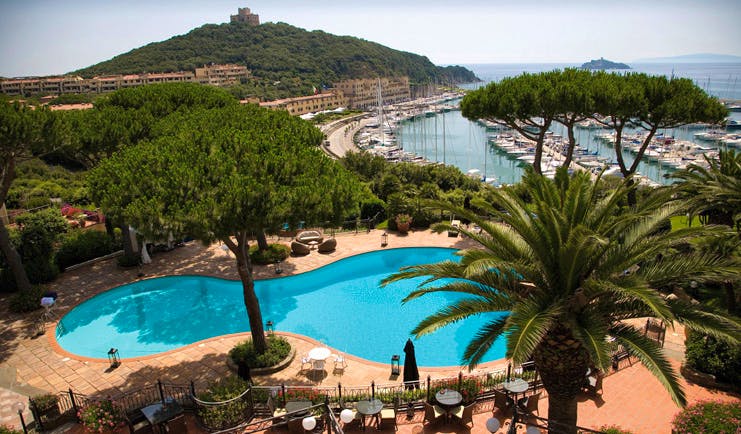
434 131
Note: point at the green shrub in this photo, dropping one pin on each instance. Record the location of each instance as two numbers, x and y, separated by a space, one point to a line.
7 280
8 430
274 253
80 246
26 301
711 356
372 206
612 429
129 260
41 269
217 417
99 416
244 353
708 417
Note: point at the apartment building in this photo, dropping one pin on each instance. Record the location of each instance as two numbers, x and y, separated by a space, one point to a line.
308 104
363 93
214 75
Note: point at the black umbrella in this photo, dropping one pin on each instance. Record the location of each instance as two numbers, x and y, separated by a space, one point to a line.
411 373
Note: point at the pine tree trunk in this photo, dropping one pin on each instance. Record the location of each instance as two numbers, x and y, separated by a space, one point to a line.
14 260
251 303
262 241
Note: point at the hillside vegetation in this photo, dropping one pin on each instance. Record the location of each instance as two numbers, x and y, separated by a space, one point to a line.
283 59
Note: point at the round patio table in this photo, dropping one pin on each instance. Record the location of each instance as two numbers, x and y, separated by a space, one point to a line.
369 408
516 386
449 398
319 353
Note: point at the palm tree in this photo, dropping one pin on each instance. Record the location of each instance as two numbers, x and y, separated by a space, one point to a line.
714 192
568 269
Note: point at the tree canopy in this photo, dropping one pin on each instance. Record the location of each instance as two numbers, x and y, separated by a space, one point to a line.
24 133
226 174
616 100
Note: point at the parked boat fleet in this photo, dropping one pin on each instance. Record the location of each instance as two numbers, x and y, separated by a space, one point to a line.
378 137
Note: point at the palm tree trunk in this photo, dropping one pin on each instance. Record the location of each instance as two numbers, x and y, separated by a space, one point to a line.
562 363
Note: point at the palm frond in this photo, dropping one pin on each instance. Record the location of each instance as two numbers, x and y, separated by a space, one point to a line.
704 320
483 340
452 313
637 291
439 270
591 332
649 353
529 323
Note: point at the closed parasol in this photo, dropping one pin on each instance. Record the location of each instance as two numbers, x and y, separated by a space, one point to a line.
411 373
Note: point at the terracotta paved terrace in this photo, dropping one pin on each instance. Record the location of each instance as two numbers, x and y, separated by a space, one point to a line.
632 398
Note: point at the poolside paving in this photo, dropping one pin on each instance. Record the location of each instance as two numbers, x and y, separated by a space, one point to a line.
632 397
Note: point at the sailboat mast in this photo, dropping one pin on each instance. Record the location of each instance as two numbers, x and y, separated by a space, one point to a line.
380 111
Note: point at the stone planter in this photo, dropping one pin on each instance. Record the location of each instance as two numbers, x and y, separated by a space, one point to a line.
264 371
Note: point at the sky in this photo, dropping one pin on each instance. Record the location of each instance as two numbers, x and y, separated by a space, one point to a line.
46 37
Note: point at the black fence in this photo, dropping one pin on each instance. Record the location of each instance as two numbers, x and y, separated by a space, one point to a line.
250 411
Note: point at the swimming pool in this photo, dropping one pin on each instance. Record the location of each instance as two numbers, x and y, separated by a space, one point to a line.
340 304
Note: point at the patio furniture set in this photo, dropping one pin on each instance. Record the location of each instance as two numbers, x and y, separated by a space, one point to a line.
315 361
309 240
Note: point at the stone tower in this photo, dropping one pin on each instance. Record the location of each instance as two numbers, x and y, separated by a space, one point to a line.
245 16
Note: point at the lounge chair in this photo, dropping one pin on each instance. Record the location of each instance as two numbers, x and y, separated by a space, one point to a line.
328 245
299 248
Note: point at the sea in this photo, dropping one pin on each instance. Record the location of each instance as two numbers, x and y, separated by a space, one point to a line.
451 139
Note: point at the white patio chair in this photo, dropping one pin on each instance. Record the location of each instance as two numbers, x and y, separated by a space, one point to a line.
306 363
339 362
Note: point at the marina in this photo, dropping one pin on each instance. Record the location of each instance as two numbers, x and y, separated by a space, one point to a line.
433 131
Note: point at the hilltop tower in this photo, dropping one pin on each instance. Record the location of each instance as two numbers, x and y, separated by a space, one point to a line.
245 16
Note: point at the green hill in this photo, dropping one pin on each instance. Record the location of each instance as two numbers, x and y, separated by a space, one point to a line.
285 60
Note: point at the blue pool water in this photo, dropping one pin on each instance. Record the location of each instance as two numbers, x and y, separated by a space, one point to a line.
340 304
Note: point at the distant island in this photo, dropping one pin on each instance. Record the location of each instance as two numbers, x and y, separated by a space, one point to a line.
603 63
694 58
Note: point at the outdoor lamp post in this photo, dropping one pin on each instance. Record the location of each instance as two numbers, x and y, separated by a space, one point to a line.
395 368
20 406
269 328
113 358
385 239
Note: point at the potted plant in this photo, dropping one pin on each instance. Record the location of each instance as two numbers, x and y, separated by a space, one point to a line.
403 222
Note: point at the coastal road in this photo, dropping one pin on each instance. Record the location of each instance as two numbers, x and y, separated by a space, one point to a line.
340 135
